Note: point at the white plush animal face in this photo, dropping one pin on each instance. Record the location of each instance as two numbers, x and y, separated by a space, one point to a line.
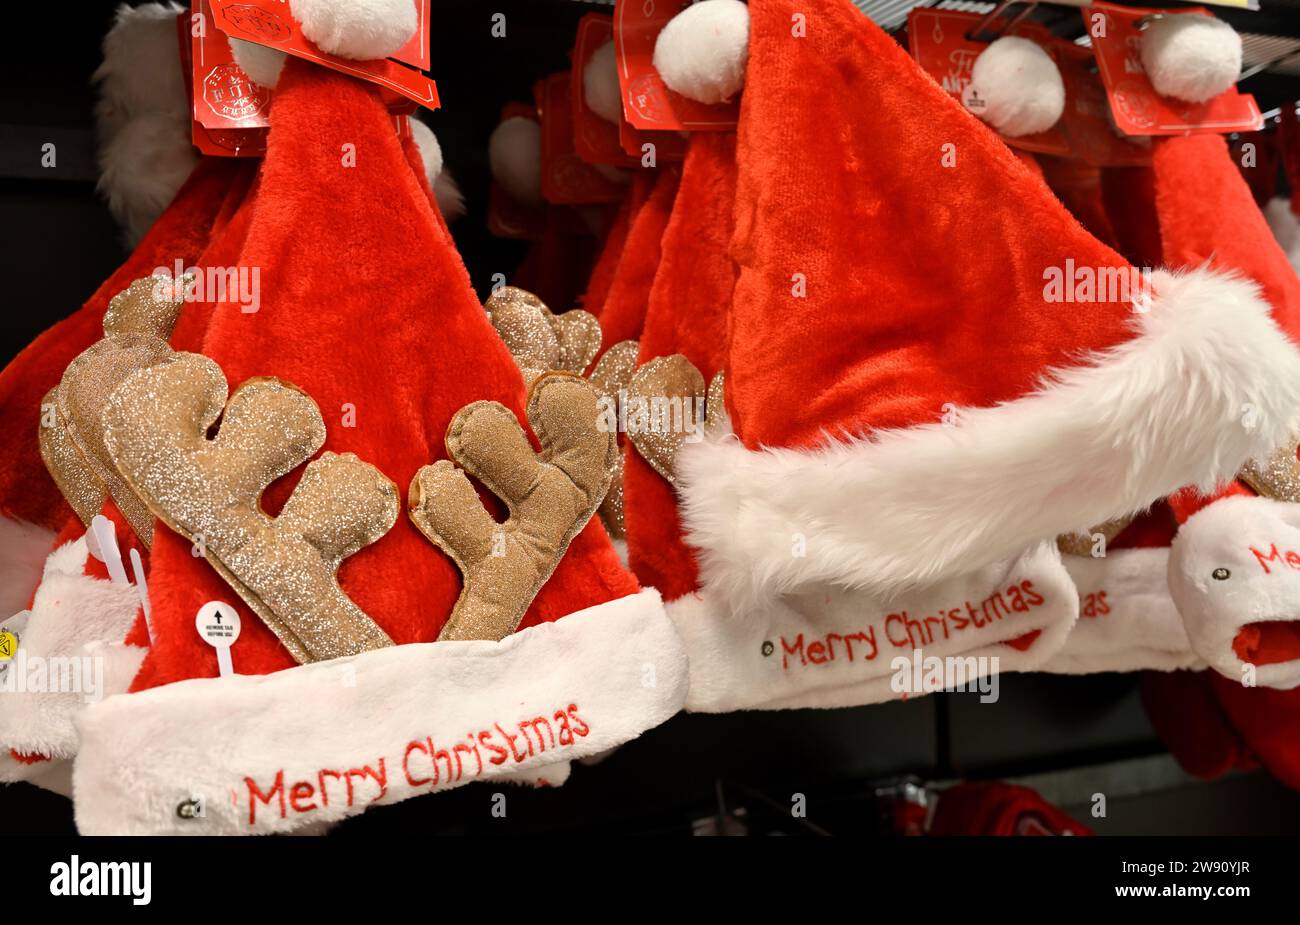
1234 572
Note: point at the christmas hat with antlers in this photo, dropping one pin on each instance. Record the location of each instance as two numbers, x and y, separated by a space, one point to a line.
903 420
360 645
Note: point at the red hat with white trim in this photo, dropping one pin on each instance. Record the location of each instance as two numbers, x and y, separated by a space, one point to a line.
404 694
933 371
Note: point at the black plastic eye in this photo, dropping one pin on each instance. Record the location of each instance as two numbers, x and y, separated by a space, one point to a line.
1220 574
768 648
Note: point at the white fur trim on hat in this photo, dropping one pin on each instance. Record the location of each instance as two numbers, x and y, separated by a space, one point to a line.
1191 57
830 646
450 200
23 548
359 29
142 117
600 87
54 776
702 51
261 63
515 156
1207 383
1127 620
70 655
1020 86
322 742
1234 563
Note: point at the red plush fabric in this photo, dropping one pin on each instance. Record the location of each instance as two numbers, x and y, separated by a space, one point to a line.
26 490
623 312
687 314
1078 186
602 273
1268 722
1207 214
996 808
1129 195
924 275
1185 712
367 307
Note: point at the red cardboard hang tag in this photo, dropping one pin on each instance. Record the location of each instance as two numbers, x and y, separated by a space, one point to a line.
566 178
268 22
1087 122
595 139
938 41
647 101
1137 108
228 111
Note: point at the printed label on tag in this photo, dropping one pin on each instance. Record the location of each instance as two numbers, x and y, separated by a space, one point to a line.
647 101
566 178
1088 124
938 42
218 624
267 22
1136 106
595 139
229 110
11 633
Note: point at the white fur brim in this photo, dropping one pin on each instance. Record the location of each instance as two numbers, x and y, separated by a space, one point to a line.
23 548
71 654
830 647
1256 544
1127 620
487 710
1207 382
54 776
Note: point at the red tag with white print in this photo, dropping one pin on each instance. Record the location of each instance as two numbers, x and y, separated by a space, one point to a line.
1087 121
228 110
1116 33
938 41
566 178
595 138
647 101
268 22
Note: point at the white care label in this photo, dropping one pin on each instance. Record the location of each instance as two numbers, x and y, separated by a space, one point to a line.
218 624
11 633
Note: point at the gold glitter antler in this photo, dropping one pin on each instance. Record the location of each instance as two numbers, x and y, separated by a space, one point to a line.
137 324
664 402
1080 544
1277 476
551 497
611 378
539 340
210 492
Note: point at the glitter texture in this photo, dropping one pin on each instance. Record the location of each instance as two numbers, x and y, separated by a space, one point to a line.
662 394
1080 544
285 567
83 489
1278 476
610 377
550 495
538 340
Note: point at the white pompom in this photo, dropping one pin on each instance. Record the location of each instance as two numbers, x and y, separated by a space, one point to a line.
515 156
600 84
430 150
1020 85
359 29
1191 57
702 51
260 63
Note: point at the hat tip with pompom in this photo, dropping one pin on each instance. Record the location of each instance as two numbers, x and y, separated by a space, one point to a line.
702 51
1191 57
1021 86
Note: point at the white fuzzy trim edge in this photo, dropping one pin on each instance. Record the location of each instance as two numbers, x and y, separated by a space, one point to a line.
618 667
1207 382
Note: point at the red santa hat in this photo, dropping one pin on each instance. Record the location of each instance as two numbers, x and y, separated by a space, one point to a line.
390 352
910 421
622 313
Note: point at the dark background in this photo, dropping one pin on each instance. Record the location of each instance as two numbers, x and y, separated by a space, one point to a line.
1069 736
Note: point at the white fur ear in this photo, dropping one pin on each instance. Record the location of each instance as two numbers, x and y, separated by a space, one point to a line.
702 51
1191 57
260 63
1021 87
515 156
600 85
358 29
142 167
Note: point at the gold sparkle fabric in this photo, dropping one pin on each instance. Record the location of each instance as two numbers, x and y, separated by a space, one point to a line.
1278 476
209 490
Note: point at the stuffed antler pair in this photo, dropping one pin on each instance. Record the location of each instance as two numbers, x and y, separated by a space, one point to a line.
155 431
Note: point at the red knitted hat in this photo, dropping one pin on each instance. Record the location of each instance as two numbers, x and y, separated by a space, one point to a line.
367 309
